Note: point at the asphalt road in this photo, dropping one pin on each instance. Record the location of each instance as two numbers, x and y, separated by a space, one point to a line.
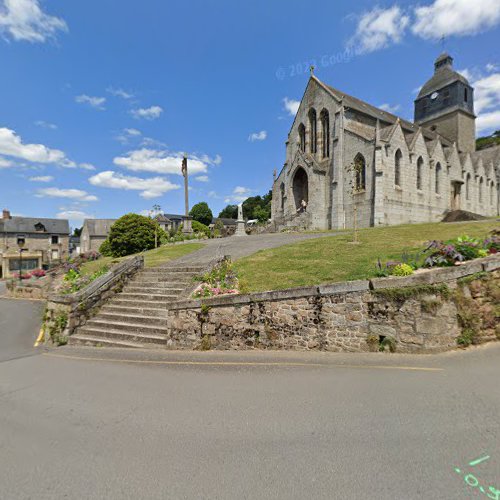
248 425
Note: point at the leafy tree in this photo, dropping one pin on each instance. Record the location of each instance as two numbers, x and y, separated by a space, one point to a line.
257 202
105 248
133 233
77 231
261 214
201 212
230 212
198 227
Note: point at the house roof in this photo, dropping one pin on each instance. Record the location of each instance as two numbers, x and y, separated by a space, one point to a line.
169 217
98 227
27 225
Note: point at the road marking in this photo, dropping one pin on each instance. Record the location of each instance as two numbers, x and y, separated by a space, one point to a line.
243 363
479 460
40 337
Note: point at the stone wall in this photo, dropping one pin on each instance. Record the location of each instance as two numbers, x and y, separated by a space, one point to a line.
430 311
65 313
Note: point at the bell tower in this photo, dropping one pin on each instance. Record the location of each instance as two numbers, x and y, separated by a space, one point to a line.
445 105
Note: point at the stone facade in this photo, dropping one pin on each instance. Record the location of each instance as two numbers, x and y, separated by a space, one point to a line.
94 233
348 158
423 313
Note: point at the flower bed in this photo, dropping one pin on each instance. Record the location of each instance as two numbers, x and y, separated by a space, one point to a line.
222 280
73 279
442 254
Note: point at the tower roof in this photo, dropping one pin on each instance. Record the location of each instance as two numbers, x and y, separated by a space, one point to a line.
444 75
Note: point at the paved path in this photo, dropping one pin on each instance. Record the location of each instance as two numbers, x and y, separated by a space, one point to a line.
248 425
241 246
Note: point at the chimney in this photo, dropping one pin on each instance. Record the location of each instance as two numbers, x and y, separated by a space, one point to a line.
6 214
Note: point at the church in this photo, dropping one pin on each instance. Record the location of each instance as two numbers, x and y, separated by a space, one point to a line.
350 162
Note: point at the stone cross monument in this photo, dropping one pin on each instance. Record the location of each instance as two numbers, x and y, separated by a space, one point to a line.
186 226
240 223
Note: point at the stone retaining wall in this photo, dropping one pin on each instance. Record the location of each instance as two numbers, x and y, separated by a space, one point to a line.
65 313
430 311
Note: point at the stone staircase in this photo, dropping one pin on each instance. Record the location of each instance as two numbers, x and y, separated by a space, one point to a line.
136 316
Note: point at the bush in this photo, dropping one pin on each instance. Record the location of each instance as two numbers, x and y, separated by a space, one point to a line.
38 273
105 248
133 233
402 270
201 213
198 227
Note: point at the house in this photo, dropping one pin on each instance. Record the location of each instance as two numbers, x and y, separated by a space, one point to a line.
350 163
94 232
31 243
170 222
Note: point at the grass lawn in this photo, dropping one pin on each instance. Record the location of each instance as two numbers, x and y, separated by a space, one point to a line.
335 258
152 258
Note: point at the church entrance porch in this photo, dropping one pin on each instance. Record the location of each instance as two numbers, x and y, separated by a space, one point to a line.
300 187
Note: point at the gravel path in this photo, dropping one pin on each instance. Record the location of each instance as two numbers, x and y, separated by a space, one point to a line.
241 246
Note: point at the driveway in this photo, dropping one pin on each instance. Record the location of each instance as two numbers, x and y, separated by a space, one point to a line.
96 423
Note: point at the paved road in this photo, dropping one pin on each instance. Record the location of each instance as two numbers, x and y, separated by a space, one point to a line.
241 246
20 322
248 425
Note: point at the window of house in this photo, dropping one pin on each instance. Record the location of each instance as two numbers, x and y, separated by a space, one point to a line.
313 128
55 254
54 239
21 240
397 168
359 173
325 133
420 167
302 137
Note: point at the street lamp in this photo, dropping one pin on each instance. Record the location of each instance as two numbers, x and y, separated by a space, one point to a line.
20 244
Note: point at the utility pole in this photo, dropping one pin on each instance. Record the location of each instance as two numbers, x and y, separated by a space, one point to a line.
187 221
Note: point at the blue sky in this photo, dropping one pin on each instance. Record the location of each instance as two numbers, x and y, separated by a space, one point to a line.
101 98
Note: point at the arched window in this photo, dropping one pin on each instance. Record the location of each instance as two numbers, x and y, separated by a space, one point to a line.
302 137
282 196
397 168
467 187
420 168
359 172
313 128
481 185
438 177
300 187
466 96
325 133
492 192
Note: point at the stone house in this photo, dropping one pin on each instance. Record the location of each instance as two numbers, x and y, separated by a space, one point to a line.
43 241
94 232
347 158
170 222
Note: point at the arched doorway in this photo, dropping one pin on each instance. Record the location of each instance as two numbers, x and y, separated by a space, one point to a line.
300 187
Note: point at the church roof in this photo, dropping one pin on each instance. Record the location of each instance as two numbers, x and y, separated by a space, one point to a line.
444 75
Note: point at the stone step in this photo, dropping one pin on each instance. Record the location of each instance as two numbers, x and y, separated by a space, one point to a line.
124 325
147 304
155 291
140 319
176 269
150 297
92 341
134 310
162 285
168 273
163 279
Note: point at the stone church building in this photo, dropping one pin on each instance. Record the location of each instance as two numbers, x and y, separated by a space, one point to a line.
345 157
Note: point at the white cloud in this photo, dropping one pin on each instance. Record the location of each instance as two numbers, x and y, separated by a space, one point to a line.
150 113
132 132
4 163
161 162
455 17
128 134
94 102
118 92
150 188
213 194
43 124
12 145
291 106
239 195
25 20
379 28
74 194
87 166
202 178
148 142
258 136
42 178
488 121
389 108
490 67
75 216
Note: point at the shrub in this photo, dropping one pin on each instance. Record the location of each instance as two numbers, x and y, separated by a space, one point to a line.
105 248
402 270
198 227
133 233
201 213
38 273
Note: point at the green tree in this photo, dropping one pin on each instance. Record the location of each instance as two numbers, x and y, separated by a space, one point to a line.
230 212
198 227
77 231
201 212
133 233
261 214
105 248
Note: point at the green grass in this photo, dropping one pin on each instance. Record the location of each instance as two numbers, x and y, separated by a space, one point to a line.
335 258
152 258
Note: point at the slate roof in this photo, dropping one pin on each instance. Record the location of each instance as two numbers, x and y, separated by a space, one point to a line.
443 76
98 227
27 225
169 217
